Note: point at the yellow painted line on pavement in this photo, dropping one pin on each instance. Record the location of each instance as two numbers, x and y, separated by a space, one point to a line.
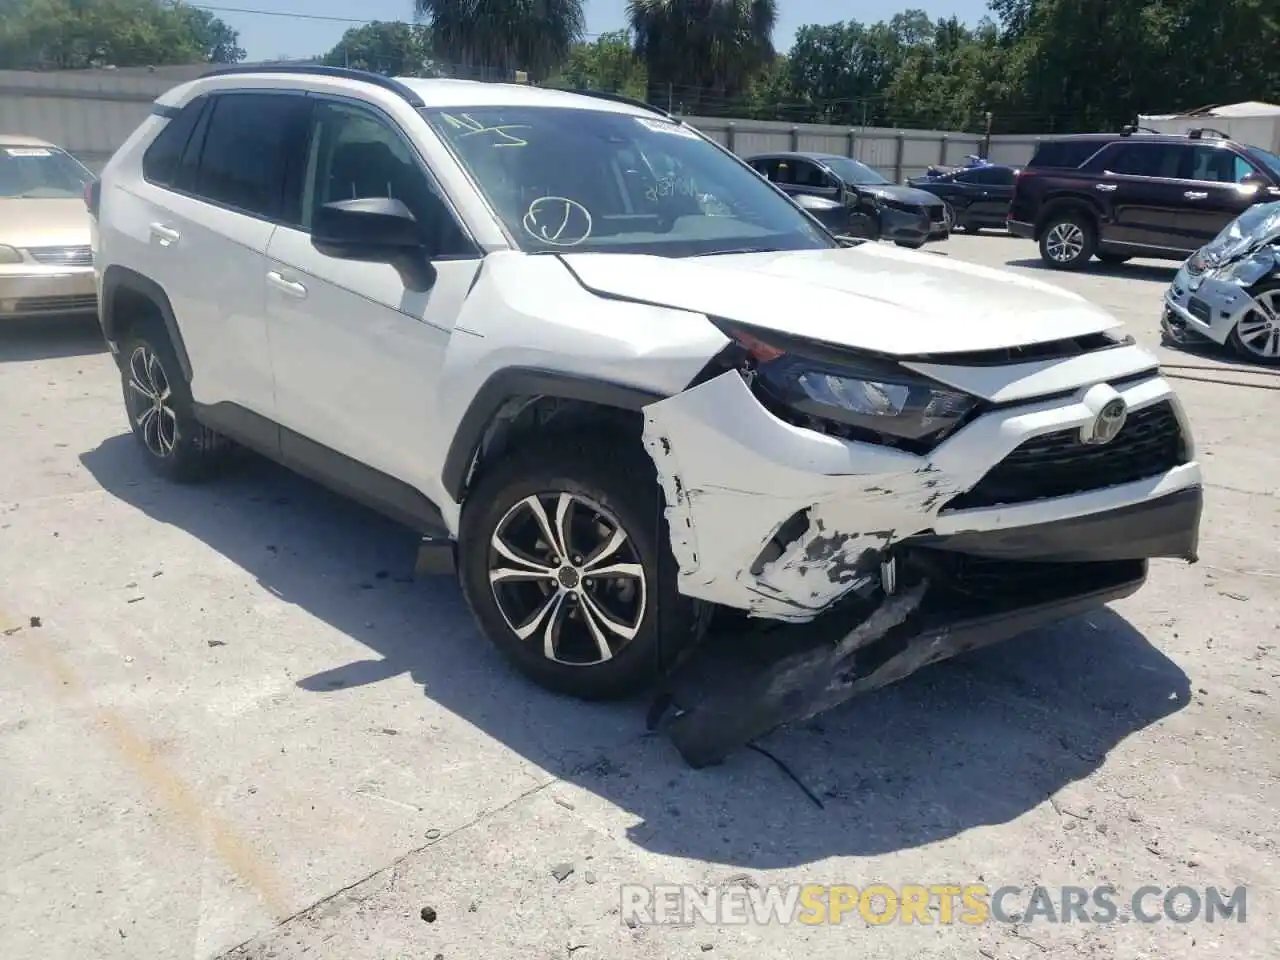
163 784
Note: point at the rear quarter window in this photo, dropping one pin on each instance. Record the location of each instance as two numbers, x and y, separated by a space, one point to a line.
161 160
1067 154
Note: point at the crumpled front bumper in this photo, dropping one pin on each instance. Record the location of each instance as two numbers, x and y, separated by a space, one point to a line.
910 225
1209 308
867 558
784 522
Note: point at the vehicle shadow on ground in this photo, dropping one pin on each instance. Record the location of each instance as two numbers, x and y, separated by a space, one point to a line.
49 338
978 741
1221 359
1156 272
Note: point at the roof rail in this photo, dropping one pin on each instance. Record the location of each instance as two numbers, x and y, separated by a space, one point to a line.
623 98
1129 129
1199 133
320 70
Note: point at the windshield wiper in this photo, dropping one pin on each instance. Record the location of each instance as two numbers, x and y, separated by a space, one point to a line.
725 253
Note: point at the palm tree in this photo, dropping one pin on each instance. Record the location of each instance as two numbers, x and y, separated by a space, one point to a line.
700 51
491 39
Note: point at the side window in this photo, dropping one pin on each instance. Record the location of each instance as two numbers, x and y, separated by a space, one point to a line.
808 174
988 176
247 151
354 154
161 159
1064 153
1144 160
1216 165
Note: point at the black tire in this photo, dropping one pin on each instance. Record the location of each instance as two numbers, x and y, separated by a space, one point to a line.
174 444
1114 259
617 479
1077 235
957 222
1234 340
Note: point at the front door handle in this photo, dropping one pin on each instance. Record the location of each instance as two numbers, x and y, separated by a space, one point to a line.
1105 187
1195 194
291 287
166 235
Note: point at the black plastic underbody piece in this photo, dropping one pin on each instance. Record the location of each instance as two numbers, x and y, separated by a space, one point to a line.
845 653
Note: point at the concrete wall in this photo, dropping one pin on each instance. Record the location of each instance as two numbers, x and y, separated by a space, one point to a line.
91 112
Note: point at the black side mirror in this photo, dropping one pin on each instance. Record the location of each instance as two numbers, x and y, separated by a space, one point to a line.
379 229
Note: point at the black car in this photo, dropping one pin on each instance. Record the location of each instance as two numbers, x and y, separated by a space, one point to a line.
976 197
1136 194
869 205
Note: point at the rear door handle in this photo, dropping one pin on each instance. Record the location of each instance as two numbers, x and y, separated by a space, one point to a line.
1105 187
291 287
166 235
1195 195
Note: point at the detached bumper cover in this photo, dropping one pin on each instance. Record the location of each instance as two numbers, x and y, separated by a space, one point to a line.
718 711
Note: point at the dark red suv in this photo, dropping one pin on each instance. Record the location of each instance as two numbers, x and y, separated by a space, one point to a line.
1136 194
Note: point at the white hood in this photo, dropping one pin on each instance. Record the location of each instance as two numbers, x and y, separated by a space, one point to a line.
873 297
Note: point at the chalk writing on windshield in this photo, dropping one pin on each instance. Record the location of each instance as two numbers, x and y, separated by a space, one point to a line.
503 137
558 221
671 187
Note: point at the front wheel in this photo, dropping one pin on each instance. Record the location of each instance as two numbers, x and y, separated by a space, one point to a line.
564 561
1257 336
1068 241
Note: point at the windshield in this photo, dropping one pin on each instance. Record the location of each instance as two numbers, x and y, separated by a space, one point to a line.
593 181
41 173
1266 159
853 171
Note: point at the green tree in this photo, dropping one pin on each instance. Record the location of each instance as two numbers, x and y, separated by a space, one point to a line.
608 63
70 34
394 49
701 54
492 39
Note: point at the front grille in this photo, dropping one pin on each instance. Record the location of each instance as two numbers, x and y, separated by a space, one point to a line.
62 256
87 301
1059 465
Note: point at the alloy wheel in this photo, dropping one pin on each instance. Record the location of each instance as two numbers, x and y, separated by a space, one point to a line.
150 402
566 575
1259 329
1064 242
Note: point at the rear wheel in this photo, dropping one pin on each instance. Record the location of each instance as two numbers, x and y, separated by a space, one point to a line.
564 560
158 402
1257 336
1068 241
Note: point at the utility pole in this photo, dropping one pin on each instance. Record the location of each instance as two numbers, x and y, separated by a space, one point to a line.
986 139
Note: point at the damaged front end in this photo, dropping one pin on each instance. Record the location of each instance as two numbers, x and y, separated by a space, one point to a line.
1214 288
884 520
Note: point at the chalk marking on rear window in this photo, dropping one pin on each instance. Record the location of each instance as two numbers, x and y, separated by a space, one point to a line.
473 127
28 151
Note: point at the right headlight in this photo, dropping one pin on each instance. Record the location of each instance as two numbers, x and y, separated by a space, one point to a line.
859 398
10 254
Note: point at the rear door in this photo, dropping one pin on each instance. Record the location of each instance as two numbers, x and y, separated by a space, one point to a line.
1212 174
1142 195
212 213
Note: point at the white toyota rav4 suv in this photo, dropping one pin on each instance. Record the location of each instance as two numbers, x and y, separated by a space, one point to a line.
628 379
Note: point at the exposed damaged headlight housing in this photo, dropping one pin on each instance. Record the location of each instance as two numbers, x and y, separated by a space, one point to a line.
866 399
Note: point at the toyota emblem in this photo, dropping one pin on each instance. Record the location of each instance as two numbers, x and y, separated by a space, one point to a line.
1107 424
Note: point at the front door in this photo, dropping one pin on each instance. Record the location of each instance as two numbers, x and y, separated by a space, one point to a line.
1212 175
807 178
357 347
988 193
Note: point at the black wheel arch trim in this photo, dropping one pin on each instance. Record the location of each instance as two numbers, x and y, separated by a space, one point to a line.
1053 205
510 382
115 278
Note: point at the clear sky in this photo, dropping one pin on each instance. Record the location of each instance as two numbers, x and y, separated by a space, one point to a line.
303 28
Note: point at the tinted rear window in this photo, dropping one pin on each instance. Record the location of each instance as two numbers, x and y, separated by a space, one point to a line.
247 148
160 162
1064 153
